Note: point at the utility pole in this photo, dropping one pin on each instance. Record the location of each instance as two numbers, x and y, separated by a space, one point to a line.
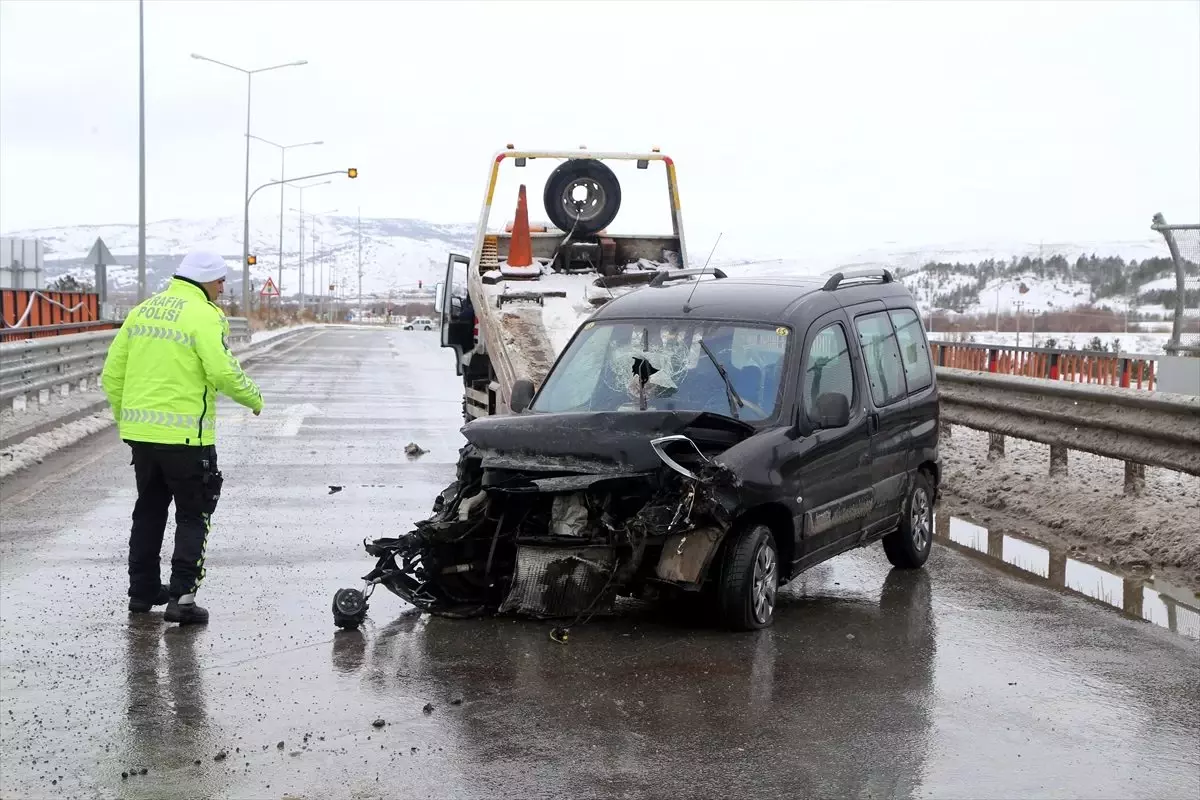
1018 304
313 278
300 265
360 308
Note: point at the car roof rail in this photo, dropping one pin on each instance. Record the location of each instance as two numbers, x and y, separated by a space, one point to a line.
836 279
664 275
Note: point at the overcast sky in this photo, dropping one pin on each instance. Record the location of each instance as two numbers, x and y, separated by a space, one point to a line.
795 126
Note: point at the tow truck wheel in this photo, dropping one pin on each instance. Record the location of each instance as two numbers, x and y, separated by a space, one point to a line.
908 546
749 579
582 195
349 608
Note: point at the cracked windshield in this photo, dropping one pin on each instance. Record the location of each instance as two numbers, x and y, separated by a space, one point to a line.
663 365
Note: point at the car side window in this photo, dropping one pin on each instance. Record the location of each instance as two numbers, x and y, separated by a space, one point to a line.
914 352
882 357
827 368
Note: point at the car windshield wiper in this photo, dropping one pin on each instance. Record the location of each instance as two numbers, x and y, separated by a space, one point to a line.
730 393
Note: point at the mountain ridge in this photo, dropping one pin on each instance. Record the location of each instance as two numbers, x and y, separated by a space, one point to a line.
403 255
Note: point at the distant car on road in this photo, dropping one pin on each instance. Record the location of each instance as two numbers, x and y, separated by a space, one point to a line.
419 324
710 439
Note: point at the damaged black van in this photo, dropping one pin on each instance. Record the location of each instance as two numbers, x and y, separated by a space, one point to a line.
711 439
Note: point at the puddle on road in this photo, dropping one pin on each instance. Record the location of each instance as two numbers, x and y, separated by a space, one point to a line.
1147 598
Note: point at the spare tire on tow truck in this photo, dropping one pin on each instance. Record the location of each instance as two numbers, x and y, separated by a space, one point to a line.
598 206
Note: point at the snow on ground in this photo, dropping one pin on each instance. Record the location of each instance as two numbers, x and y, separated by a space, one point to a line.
1085 509
1041 295
258 337
14 423
36 448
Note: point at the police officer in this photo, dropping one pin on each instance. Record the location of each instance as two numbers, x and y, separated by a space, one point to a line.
162 375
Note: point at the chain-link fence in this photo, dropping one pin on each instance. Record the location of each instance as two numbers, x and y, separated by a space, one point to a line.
1183 241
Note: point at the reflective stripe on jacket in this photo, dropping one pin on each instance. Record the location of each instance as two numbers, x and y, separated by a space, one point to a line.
167 363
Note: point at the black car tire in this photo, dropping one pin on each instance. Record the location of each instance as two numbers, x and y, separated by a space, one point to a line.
908 546
749 579
559 187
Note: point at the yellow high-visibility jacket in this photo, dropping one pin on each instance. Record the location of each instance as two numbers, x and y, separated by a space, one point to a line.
167 363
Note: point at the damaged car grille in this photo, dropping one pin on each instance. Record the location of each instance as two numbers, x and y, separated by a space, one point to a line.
560 581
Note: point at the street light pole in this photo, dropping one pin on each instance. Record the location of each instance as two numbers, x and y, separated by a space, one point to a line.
350 173
360 263
300 265
283 148
249 73
141 266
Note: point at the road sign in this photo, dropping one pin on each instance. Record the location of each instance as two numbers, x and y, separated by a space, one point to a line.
99 255
101 259
269 289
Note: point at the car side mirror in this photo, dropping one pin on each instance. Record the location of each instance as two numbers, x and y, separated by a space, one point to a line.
522 395
832 411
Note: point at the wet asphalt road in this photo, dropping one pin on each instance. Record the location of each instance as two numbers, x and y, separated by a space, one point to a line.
960 681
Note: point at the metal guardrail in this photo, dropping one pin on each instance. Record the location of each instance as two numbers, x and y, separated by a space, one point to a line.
46 331
1140 428
35 365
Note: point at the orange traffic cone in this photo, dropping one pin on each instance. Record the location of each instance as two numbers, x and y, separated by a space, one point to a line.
520 249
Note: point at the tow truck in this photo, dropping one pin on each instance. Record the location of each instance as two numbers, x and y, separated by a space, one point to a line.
509 307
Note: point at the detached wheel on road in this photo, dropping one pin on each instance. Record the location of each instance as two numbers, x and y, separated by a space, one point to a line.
908 546
748 580
349 608
583 195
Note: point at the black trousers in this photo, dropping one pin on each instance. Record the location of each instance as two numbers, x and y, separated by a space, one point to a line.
189 476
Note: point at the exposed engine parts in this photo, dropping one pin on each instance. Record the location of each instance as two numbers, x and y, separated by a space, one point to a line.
556 536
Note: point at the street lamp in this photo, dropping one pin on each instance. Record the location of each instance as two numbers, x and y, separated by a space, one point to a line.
283 148
300 211
141 263
249 73
352 172
313 216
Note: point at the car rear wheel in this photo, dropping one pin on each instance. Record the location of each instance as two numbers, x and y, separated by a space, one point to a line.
908 546
749 579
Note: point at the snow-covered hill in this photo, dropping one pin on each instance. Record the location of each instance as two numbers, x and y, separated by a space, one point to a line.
397 254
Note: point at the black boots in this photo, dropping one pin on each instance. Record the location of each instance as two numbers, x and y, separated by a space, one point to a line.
185 613
141 606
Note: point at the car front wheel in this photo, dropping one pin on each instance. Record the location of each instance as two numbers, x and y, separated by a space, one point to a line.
908 546
749 579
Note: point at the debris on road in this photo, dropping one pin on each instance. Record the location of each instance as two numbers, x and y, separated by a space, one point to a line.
334 489
379 723
412 450
428 709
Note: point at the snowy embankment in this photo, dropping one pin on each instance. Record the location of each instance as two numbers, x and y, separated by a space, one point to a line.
1084 510
34 449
